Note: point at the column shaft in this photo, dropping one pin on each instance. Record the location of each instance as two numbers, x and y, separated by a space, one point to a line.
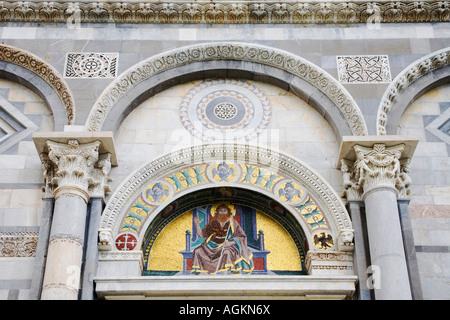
65 250
387 254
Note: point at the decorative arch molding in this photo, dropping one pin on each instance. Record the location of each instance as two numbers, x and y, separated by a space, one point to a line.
271 172
22 66
275 66
419 77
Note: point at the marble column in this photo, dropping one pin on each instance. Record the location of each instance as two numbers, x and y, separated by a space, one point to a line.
375 173
377 170
76 167
72 162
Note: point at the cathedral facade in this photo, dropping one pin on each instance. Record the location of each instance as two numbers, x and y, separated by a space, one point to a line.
225 149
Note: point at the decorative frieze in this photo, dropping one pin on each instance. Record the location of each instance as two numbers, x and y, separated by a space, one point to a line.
18 244
319 263
226 12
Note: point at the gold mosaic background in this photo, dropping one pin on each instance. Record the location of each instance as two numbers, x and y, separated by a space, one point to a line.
165 254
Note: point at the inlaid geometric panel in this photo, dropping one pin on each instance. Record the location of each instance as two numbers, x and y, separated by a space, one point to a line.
221 109
14 125
363 69
91 65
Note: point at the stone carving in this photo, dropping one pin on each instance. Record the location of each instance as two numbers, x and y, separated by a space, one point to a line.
228 51
329 262
376 166
412 73
345 240
38 66
76 169
18 244
226 12
105 239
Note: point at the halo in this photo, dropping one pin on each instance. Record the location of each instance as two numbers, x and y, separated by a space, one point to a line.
227 203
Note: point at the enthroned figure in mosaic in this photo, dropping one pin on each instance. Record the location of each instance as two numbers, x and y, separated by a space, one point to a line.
225 247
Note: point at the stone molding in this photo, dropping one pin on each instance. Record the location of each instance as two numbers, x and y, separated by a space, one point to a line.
329 263
370 164
41 68
245 52
301 12
120 200
405 79
18 244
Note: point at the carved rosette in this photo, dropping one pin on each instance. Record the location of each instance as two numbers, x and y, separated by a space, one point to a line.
76 169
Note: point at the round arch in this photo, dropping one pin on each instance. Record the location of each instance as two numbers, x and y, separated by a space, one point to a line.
419 77
299 188
26 68
230 59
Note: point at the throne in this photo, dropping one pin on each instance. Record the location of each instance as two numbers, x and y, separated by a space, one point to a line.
255 240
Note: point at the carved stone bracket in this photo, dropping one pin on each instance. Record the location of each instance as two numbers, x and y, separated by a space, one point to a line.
329 263
77 164
374 161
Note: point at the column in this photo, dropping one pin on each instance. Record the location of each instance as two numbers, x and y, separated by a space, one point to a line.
99 187
73 163
376 171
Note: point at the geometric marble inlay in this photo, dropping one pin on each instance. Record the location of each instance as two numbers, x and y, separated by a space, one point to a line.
363 69
91 65
224 109
14 125
440 127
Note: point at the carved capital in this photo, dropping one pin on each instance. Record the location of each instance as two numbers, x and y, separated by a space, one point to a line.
377 166
371 162
75 165
72 162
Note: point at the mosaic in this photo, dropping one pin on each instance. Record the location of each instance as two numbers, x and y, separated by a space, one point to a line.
363 69
223 109
221 238
91 65
161 192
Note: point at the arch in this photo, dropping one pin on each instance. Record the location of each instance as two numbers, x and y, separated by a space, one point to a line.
28 69
316 206
419 77
253 210
230 59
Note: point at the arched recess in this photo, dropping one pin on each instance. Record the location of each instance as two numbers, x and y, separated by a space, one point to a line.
36 74
232 60
314 207
423 75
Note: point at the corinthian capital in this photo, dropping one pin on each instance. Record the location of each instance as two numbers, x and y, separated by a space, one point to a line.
72 163
76 164
372 161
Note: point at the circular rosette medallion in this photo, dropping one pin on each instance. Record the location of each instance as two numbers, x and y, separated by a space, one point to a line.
91 65
157 193
225 109
289 191
126 242
224 171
